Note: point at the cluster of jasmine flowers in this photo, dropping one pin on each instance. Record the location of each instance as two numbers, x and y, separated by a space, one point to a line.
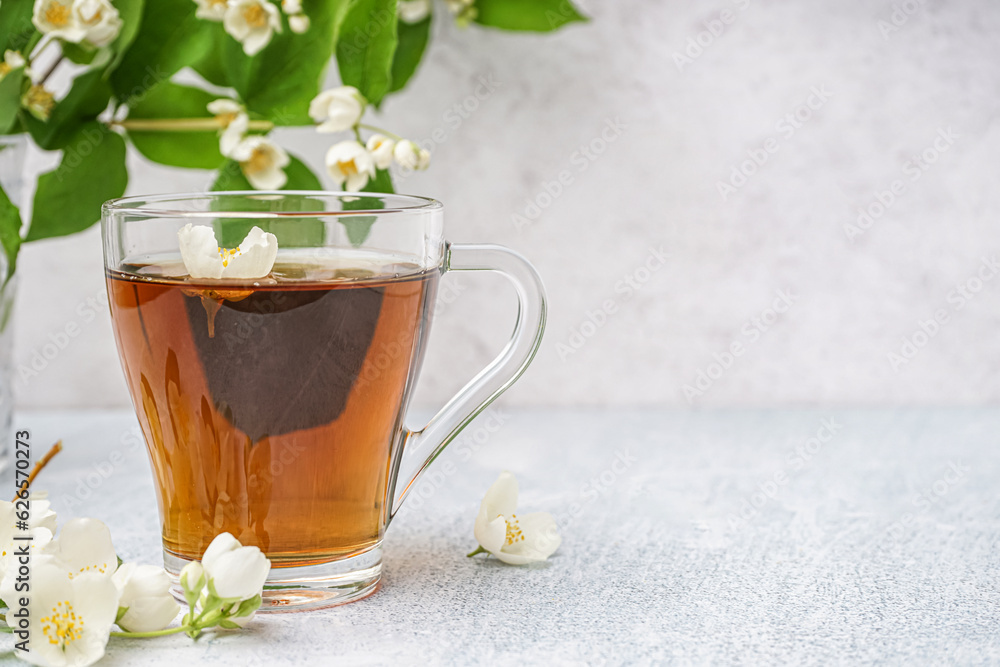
351 163
92 24
415 11
253 22
80 590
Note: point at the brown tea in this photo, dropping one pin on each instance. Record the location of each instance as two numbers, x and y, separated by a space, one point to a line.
271 407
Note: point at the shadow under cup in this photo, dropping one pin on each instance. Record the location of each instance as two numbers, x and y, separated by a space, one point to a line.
273 409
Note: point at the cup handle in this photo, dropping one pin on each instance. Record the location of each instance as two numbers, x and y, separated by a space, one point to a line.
420 448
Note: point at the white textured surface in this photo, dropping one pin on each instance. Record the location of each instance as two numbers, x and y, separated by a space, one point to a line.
656 186
653 569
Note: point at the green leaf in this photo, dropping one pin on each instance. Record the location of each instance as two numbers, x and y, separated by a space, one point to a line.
300 176
248 607
92 171
169 37
79 53
366 45
413 39
229 625
130 12
16 29
10 233
211 66
88 97
10 98
382 183
291 233
279 82
192 150
530 15
360 226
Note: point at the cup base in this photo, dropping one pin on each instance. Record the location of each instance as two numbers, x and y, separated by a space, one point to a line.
307 588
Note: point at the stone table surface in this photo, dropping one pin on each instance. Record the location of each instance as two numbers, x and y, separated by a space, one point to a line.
716 537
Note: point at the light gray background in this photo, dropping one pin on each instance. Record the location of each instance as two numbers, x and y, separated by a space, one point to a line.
656 186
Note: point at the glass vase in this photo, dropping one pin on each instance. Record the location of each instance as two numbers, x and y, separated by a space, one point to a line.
13 149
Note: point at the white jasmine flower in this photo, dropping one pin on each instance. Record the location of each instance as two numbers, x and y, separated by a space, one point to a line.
413 11
464 10
337 109
233 570
252 23
411 156
349 162
234 121
299 23
291 6
458 6
203 258
69 621
39 101
41 526
57 18
99 19
145 595
192 577
262 162
381 147
211 10
83 546
12 60
515 540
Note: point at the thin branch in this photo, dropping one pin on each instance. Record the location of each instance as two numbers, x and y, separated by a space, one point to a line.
182 124
387 133
39 465
50 70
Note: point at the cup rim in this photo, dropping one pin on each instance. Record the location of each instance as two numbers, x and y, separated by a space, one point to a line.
152 206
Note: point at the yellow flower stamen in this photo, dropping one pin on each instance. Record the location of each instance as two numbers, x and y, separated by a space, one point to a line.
514 533
99 568
57 14
348 168
255 16
62 626
259 160
226 118
39 100
228 253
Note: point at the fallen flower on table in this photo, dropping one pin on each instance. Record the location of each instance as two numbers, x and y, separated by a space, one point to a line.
146 604
67 621
530 538
79 589
234 572
82 546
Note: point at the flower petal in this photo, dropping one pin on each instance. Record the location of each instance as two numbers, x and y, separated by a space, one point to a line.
490 532
356 182
84 545
200 251
541 538
222 544
240 573
256 257
501 497
224 105
233 134
148 614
